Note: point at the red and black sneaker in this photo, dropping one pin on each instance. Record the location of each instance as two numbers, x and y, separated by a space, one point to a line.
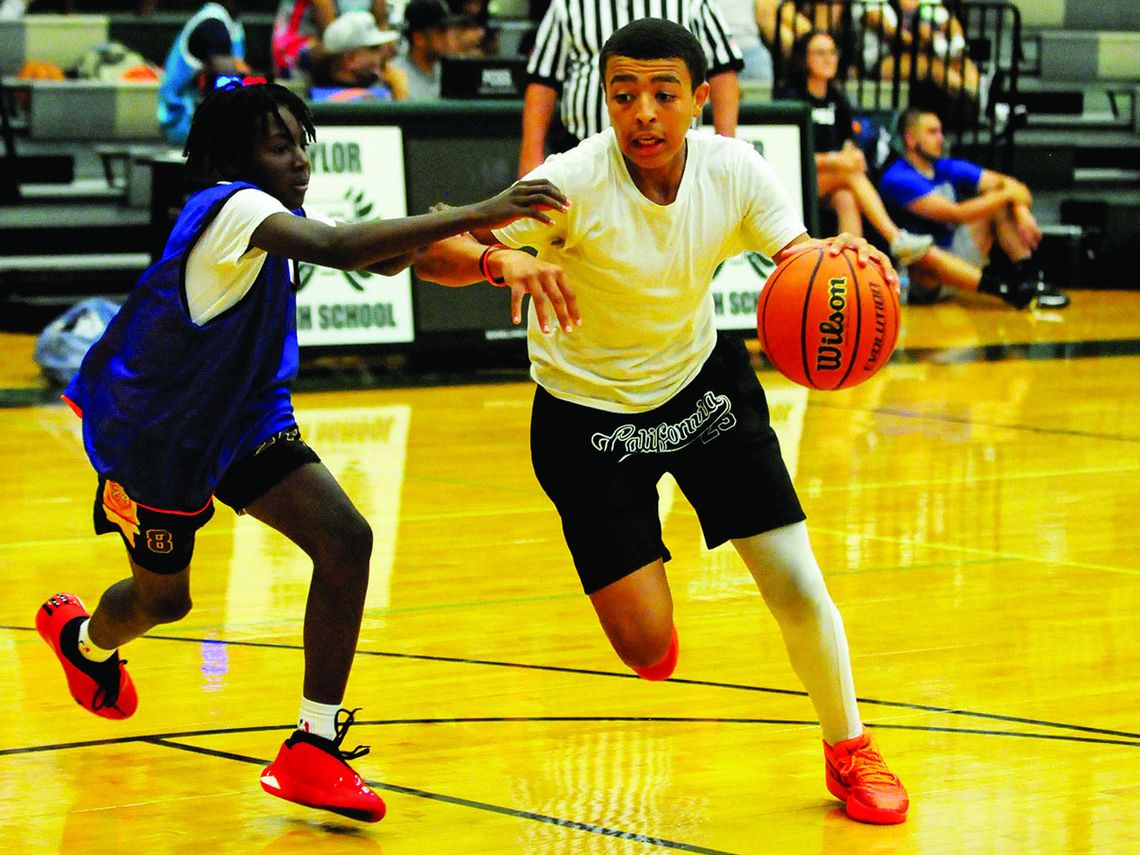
312 771
858 776
104 688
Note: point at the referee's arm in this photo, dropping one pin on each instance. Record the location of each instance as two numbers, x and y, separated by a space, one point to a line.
539 103
725 61
544 70
724 95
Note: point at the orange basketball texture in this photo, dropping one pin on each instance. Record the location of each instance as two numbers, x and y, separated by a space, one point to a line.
826 323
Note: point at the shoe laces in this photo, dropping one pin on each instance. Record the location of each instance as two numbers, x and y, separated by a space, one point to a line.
109 677
867 764
342 726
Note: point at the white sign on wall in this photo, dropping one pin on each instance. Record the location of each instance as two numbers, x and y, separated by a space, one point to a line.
737 283
357 174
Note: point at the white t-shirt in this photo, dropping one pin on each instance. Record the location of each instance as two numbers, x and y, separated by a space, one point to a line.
222 266
641 271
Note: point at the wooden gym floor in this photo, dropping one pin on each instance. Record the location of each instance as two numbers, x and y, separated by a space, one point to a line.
974 508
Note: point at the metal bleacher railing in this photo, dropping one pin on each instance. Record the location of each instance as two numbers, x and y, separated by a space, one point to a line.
958 57
9 188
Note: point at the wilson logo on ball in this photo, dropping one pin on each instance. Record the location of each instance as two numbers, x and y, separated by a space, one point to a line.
829 354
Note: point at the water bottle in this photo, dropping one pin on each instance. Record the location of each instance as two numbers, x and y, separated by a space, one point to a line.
904 285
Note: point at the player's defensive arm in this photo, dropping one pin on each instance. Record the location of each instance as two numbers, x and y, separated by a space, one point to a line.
358 246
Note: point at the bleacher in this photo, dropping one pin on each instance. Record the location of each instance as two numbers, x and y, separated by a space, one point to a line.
75 205
1081 142
1066 88
75 200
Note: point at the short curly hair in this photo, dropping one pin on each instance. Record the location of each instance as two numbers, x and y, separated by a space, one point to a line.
656 38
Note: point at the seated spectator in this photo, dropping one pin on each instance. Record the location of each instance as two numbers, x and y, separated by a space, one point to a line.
841 168
786 22
941 49
211 43
474 35
299 26
742 17
967 209
430 32
356 62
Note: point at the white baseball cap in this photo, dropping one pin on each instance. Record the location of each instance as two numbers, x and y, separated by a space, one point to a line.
355 30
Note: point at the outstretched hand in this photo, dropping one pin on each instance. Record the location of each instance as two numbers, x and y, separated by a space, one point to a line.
522 199
865 253
546 285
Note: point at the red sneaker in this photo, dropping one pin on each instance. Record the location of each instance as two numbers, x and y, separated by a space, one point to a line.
311 770
857 775
104 688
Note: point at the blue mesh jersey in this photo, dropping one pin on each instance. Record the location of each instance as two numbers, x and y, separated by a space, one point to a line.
167 404
901 184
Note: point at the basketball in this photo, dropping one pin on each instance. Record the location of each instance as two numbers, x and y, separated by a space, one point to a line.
826 323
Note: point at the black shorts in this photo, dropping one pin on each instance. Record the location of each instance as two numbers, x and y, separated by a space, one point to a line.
250 477
163 541
601 469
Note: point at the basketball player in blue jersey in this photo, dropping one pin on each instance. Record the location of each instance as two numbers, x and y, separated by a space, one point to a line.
187 396
646 385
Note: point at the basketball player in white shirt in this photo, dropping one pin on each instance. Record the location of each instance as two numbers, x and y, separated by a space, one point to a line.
644 384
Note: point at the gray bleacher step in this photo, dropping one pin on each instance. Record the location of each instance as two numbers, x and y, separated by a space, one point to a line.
1087 120
1053 157
79 262
45 227
82 189
1083 177
1123 139
1104 55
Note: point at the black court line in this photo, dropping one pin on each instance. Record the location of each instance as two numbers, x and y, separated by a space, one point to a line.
470 803
678 680
424 657
169 740
943 418
548 719
1032 351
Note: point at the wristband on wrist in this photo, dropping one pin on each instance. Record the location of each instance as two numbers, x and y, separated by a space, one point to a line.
484 269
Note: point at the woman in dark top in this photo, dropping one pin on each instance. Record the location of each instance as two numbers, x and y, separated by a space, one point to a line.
841 169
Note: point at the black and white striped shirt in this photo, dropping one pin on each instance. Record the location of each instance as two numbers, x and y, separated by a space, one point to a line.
571 36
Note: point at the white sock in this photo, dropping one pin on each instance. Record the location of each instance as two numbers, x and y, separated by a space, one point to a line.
792 585
88 648
318 719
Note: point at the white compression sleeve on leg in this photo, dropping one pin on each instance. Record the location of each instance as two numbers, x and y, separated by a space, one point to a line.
789 578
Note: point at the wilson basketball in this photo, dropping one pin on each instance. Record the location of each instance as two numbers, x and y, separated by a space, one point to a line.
826 323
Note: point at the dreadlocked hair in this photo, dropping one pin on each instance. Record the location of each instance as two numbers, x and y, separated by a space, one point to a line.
226 125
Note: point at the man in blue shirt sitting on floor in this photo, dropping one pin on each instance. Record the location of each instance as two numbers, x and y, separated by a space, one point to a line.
967 209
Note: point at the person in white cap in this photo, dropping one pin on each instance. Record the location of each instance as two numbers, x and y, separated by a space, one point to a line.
354 65
299 25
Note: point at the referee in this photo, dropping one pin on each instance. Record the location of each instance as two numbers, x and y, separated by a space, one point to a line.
565 57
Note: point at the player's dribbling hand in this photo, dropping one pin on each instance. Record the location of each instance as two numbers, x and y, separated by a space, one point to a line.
522 199
546 285
865 253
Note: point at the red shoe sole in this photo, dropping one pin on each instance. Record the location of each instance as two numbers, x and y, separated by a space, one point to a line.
301 793
861 812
